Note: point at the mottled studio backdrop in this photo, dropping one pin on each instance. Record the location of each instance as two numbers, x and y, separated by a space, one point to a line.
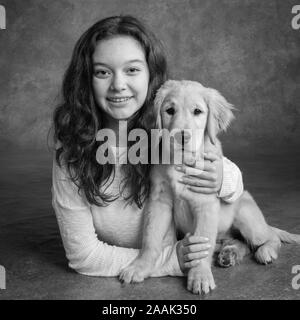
247 49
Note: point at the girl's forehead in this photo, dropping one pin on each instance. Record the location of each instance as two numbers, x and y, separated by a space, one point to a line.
118 48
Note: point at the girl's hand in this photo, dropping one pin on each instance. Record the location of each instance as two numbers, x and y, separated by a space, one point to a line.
207 181
190 250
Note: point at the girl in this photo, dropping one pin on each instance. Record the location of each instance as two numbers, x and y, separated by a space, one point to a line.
116 68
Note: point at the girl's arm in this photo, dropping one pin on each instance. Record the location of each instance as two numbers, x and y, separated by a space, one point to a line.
232 183
220 176
85 252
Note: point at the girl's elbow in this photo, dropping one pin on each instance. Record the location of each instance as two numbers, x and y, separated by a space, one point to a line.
79 266
91 268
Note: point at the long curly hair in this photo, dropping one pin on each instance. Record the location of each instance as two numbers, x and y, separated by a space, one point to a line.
78 118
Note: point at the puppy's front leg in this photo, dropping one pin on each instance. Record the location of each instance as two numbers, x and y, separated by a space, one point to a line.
206 217
158 223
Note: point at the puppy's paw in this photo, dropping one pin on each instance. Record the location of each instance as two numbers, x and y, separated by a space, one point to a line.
135 272
228 256
267 253
200 280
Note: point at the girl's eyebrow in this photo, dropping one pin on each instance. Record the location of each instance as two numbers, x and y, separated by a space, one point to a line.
126 62
136 60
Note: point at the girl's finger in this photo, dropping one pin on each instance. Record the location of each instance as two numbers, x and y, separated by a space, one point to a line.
202 190
187 235
194 263
210 176
196 248
191 162
211 156
194 240
202 176
189 170
195 256
196 171
198 183
209 167
195 163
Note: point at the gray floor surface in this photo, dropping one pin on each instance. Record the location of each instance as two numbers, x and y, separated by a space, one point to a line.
36 267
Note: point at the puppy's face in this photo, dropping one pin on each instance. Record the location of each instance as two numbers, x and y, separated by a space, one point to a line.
184 114
184 109
190 107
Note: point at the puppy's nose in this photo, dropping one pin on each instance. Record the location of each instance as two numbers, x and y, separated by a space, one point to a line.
182 136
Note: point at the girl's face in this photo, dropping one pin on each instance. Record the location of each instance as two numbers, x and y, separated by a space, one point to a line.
121 76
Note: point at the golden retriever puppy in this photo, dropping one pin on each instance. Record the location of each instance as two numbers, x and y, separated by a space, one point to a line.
189 107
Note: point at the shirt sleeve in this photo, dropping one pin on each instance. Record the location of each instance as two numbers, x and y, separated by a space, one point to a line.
85 252
232 186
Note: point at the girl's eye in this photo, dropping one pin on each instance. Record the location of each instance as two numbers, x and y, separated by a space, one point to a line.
101 73
197 112
170 111
133 70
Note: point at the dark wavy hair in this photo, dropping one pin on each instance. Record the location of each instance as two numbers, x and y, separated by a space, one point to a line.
78 118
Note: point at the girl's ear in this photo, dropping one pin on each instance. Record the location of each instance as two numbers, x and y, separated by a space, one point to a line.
219 113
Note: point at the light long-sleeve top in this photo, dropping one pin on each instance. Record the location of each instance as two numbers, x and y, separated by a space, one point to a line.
101 241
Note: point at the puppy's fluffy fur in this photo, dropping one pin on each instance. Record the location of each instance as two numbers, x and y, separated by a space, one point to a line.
188 105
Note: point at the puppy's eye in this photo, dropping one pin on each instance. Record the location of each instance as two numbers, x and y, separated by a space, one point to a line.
197 112
170 111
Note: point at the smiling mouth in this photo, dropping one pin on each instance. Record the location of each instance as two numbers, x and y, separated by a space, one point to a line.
118 99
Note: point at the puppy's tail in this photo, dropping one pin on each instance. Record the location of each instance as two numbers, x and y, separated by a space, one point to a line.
286 237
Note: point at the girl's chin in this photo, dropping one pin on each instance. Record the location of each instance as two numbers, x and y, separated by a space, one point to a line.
119 115
123 117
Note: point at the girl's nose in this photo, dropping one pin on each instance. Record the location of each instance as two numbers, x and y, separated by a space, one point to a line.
118 83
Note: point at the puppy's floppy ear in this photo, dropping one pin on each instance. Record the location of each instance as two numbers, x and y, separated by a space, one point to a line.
159 99
219 113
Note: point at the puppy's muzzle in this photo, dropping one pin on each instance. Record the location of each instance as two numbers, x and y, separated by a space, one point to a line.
182 137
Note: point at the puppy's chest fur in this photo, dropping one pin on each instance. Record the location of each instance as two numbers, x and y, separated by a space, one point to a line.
174 193
169 190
